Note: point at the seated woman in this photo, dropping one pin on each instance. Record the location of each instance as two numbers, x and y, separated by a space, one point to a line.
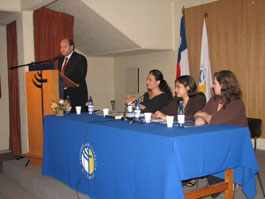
193 101
225 107
158 94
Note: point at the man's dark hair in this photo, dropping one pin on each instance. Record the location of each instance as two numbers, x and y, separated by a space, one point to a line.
71 42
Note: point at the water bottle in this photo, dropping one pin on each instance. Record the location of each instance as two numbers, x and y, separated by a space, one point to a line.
90 106
181 114
68 110
137 110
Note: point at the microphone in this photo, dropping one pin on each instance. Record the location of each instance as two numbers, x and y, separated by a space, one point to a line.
125 109
55 58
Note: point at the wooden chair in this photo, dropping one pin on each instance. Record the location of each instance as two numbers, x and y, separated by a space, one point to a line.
255 127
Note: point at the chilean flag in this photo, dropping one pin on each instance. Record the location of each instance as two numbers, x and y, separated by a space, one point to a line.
183 60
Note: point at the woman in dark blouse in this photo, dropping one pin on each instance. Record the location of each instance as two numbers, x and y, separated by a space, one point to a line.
185 89
158 94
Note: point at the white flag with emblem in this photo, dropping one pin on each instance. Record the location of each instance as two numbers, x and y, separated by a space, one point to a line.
206 81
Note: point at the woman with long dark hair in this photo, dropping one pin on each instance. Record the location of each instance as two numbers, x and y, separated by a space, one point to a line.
158 93
185 90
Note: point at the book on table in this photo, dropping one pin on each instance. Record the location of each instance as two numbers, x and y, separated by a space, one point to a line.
115 115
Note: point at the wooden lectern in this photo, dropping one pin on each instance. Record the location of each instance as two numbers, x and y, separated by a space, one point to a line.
68 82
41 87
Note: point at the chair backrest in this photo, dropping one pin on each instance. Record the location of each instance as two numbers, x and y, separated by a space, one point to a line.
255 127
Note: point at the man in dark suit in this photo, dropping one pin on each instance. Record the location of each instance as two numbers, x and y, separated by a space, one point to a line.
74 66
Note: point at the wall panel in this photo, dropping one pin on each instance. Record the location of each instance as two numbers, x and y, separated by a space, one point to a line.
236 34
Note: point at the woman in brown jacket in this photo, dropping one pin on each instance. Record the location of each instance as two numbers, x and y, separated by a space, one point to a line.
185 89
226 107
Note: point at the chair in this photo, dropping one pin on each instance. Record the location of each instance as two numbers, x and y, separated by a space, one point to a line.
255 127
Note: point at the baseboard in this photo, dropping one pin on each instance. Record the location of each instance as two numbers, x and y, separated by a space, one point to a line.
4 151
260 143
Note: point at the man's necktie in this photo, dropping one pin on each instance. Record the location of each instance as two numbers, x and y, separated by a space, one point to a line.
64 66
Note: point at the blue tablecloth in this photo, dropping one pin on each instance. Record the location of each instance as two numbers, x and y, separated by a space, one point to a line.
116 160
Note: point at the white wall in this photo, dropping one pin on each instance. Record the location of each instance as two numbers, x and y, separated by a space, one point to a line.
25 41
4 100
163 61
146 22
100 81
10 6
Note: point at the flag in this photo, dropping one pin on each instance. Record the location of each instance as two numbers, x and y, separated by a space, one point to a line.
205 80
183 61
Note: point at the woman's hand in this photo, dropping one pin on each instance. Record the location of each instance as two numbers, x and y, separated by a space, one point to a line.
158 115
199 121
199 114
129 98
203 115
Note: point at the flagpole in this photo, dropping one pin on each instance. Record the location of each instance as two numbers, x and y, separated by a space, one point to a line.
183 14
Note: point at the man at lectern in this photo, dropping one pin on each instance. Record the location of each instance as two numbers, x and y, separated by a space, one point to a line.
73 66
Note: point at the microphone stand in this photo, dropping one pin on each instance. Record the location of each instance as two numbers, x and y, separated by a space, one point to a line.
41 84
35 63
41 78
125 109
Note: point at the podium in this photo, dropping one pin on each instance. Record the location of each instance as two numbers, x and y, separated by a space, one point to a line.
68 82
42 86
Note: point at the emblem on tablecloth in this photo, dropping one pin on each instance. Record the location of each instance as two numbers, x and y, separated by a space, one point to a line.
88 160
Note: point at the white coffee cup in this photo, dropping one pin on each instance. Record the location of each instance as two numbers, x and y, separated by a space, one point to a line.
170 120
105 111
129 107
78 110
147 117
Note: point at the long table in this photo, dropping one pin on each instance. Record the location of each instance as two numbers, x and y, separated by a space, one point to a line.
108 158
